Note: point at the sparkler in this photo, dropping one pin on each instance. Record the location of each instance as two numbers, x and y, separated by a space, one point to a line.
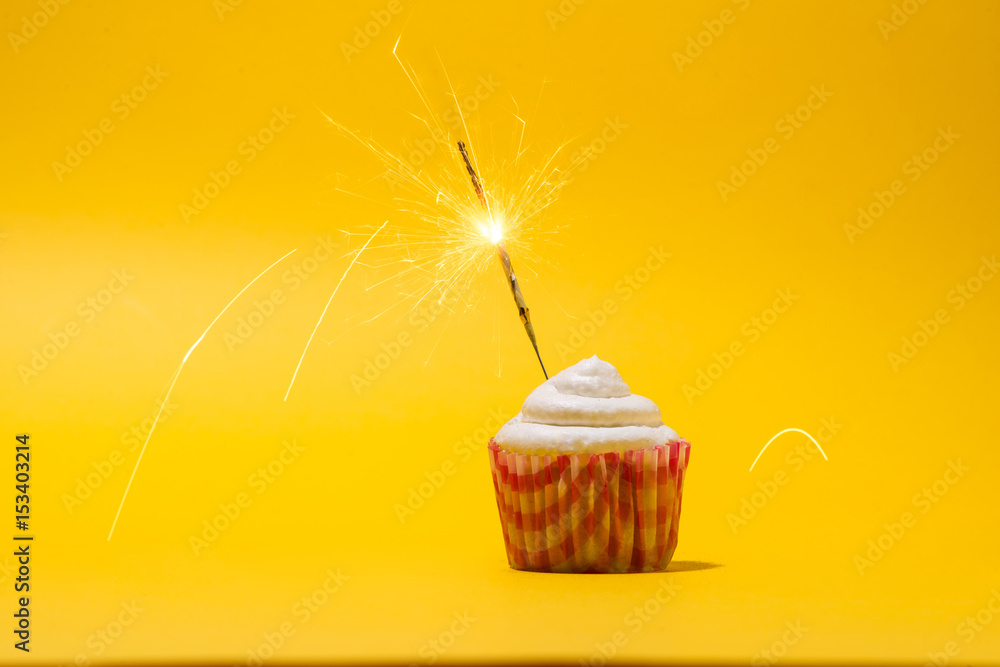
452 239
504 257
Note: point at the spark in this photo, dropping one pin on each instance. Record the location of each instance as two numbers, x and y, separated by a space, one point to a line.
787 430
327 306
170 388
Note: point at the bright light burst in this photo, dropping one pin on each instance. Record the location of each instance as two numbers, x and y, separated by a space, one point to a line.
493 231
447 237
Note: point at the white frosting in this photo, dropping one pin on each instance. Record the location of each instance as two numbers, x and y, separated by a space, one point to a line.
585 409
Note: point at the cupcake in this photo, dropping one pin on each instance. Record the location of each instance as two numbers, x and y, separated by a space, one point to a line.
587 477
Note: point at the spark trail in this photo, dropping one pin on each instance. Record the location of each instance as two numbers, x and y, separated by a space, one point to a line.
170 388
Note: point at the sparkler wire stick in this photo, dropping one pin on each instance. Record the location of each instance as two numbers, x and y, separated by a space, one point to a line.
173 381
504 257
472 174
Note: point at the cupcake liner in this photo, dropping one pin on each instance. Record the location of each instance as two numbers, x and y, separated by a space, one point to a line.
612 512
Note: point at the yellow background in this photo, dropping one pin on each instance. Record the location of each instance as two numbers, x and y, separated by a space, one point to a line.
655 184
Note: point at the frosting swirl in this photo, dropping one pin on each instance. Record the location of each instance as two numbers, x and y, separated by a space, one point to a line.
586 408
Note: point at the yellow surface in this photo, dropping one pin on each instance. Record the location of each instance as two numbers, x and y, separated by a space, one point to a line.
681 126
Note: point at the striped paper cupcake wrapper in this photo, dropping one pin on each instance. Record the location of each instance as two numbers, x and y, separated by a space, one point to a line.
612 512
